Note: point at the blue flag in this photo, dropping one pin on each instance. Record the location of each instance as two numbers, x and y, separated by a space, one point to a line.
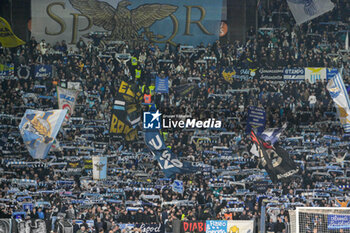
162 85
256 119
272 134
166 159
43 71
39 130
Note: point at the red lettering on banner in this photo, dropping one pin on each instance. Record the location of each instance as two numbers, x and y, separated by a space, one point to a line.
194 226
185 225
200 227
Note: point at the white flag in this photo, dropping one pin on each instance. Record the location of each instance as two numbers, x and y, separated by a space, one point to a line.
340 97
66 100
99 168
305 10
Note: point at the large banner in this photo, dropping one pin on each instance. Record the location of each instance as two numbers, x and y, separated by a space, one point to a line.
39 130
99 167
294 74
43 71
312 75
184 21
271 75
305 10
256 119
66 100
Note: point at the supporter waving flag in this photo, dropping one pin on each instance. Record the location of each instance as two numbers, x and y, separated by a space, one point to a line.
340 97
274 159
39 130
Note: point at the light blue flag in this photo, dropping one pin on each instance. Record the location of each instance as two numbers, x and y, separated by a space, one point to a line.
340 97
99 168
305 10
39 130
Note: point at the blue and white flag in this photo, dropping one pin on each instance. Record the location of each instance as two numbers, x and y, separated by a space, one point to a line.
305 10
340 97
168 161
178 186
272 134
162 85
39 130
66 100
269 135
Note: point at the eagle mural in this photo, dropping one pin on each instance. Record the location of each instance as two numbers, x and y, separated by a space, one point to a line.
123 23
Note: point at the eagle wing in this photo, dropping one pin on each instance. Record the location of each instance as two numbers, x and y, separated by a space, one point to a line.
144 16
102 13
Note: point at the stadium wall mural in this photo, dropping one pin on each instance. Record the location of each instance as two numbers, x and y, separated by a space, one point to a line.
183 21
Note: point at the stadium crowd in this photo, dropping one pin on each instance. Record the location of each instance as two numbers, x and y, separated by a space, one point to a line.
227 186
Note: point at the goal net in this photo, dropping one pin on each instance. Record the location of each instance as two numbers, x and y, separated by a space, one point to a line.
320 220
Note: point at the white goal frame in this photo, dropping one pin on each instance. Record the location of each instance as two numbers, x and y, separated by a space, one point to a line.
321 210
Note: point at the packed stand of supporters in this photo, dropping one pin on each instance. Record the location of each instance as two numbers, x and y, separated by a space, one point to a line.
226 187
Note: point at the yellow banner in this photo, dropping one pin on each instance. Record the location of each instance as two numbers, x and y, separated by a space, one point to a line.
7 38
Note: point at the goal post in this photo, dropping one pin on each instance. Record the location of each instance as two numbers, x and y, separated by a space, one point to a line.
320 220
